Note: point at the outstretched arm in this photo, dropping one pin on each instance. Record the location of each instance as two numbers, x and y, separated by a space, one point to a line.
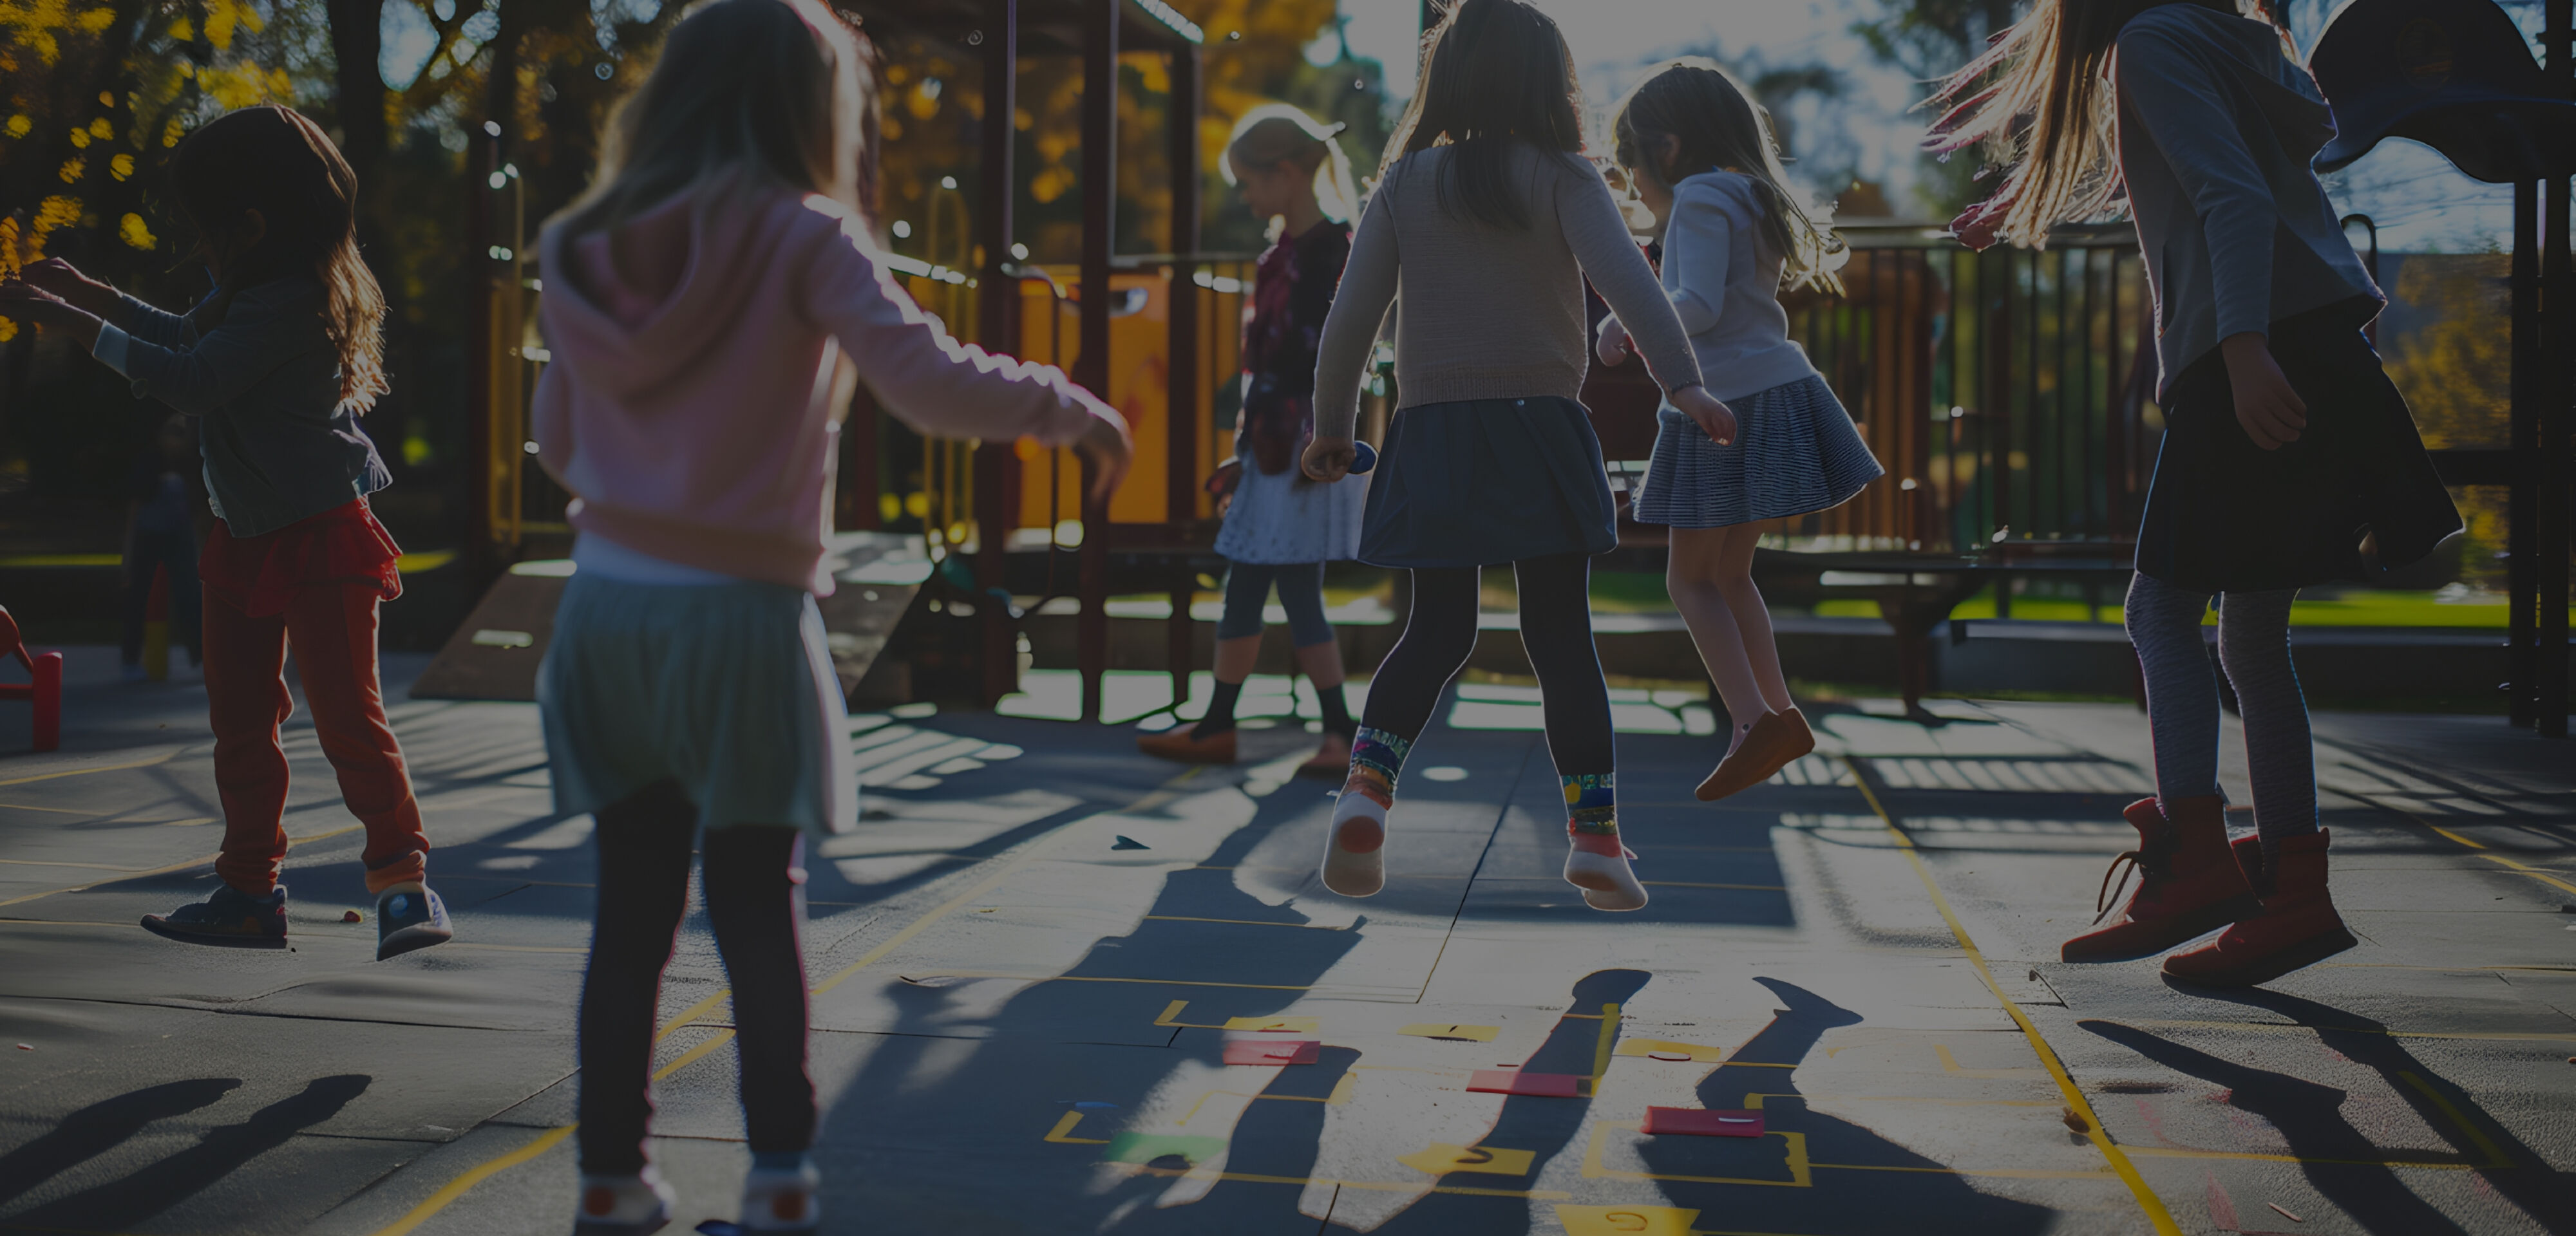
1598 235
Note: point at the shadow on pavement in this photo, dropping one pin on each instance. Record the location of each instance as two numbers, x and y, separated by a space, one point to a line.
149 1190
102 1126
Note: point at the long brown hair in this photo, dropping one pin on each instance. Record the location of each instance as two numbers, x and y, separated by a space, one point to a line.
1715 125
746 93
2036 101
275 161
1494 73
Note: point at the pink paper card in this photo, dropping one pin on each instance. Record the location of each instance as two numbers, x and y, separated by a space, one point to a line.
1272 1051
1513 1081
1661 1121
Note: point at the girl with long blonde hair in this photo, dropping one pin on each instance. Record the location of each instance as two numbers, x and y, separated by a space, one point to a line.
2286 448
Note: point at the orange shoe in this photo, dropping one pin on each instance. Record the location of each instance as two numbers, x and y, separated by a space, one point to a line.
1177 744
2188 883
2298 926
1776 739
1331 761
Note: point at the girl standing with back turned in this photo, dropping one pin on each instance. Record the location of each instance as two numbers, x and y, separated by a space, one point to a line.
2285 444
710 303
1280 526
1487 220
1701 155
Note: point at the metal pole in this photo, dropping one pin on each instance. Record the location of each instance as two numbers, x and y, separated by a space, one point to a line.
2552 506
1181 400
481 160
1091 365
999 294
2522 550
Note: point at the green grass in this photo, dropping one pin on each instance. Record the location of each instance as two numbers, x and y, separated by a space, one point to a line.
2355 608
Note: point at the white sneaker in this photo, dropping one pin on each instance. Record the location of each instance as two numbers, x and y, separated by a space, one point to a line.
623 1205
782 1200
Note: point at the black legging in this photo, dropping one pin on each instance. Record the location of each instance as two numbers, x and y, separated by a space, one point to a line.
1556 631
754 898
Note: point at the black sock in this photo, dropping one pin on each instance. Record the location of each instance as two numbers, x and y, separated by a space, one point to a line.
1337 711
1220 711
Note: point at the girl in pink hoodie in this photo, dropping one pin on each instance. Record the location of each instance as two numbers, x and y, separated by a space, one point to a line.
710 304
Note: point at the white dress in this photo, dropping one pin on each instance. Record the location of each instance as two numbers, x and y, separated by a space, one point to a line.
1282 518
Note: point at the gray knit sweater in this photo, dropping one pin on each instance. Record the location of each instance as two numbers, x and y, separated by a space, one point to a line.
1490 313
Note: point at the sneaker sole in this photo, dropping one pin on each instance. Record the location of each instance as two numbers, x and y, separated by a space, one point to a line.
2299 956
2199 922
168 932
412 939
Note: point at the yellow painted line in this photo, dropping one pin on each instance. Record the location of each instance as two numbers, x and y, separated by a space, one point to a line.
694 1054
162 758
2157 1216
1383 1186
457 1188
49 810
2496 1157
1034 979
194 862
1601 1044
2483 851
62 560
2178 1152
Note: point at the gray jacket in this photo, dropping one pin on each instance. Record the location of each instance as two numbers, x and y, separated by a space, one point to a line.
257 369
2216 131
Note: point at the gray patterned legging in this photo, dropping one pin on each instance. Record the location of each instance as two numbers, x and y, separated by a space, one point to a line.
2182 699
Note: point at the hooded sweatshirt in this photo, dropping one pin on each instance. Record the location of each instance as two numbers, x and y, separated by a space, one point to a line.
2216 130
703 356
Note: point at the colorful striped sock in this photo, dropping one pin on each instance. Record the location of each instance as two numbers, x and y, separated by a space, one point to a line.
1376 757
1591 803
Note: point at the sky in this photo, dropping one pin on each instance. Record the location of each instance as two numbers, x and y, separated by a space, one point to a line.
2411 192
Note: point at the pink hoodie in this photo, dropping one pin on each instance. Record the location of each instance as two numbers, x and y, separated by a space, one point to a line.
694 401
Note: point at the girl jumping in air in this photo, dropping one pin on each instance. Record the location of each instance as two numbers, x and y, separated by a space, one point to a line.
1702 157
277 364
1281 527
709 304
2285 445
1487 220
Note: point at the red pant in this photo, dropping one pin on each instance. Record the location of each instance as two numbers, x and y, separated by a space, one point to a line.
333 629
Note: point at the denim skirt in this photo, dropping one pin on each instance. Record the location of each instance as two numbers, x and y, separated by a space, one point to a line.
1486 481
727 689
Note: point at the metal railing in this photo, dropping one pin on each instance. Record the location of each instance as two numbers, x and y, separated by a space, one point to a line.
2007 392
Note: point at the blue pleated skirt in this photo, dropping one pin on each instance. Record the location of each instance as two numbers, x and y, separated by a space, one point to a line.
1488 481
1795 452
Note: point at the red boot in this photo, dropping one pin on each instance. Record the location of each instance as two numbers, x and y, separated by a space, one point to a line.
2187 883
2298 926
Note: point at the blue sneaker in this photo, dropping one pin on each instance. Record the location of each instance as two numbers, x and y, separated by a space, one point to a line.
410 916
230 918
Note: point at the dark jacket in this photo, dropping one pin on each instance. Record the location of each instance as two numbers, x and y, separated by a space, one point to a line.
256 367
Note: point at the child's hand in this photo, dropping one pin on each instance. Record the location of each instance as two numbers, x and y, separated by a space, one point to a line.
1713 418
65 281
1329 459
1613 347
1106 446
30 303
2271 412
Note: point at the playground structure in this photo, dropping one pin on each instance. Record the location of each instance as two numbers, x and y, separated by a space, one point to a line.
2009 394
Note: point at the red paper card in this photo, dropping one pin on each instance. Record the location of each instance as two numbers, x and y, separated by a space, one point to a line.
1699 1123
1272 1051
1513 1081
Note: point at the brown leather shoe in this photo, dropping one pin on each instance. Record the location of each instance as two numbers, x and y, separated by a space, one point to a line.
2188 883
1331 761
2298 926
1177 744
1776 739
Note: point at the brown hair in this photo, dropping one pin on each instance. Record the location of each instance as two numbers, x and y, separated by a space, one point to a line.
1715 125
1494 73
2044 115
273 160
769 93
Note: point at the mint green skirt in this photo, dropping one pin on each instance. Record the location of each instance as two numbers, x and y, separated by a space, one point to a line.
726 689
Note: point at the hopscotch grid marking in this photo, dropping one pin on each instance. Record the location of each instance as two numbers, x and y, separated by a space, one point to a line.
465 1182
2157 1216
